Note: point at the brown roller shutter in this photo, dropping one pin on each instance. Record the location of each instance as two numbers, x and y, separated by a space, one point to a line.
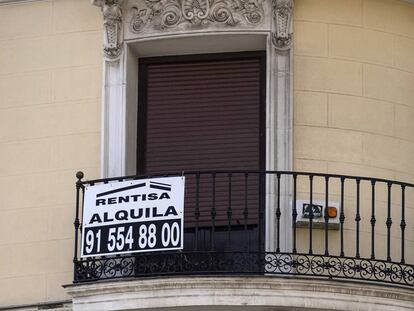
205 115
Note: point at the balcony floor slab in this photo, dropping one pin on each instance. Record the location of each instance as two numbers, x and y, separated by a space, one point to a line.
266 293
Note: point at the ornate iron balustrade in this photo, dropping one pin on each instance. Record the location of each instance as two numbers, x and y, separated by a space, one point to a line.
370 239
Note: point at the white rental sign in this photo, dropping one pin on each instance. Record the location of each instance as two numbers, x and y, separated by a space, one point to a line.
133 216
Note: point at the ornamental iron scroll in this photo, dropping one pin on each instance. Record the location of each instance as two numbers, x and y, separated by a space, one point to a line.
282 14
112 22
234 246
249 263
165 14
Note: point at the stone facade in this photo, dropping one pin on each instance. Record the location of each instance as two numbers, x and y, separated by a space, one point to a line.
50 90
353 89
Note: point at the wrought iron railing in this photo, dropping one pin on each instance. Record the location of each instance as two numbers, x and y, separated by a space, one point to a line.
318 225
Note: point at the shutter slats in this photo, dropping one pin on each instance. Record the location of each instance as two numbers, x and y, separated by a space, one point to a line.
215 65
205 115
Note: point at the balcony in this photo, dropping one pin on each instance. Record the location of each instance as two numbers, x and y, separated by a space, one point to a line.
309 225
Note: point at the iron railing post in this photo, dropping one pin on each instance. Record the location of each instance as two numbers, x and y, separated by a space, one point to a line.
342 216
373 219
76 223
403 224
389 222
357 217
233 227
294 212
311 214
278 214
326 215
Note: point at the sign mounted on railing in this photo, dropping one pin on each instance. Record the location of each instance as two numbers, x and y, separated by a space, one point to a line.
133 216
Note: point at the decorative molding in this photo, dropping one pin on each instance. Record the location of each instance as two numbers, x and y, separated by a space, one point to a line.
165 14
17 1
282 14
279 141
112 22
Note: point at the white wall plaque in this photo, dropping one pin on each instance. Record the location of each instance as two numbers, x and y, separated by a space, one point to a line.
133 216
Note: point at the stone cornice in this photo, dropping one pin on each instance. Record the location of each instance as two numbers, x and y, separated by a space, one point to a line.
20 1
183 15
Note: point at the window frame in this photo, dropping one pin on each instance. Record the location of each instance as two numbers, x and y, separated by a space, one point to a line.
120 94
142 97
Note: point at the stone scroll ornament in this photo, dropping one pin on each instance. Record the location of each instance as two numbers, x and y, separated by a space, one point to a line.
282 14
165 14
112 24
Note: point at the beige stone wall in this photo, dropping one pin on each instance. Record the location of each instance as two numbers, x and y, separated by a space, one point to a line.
50 88
354 104
354 112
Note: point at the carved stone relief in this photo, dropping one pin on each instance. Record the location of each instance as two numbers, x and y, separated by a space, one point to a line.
112 22
165 14
282 14
147 15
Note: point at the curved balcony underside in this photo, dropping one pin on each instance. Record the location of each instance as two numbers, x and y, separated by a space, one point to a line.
237 293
